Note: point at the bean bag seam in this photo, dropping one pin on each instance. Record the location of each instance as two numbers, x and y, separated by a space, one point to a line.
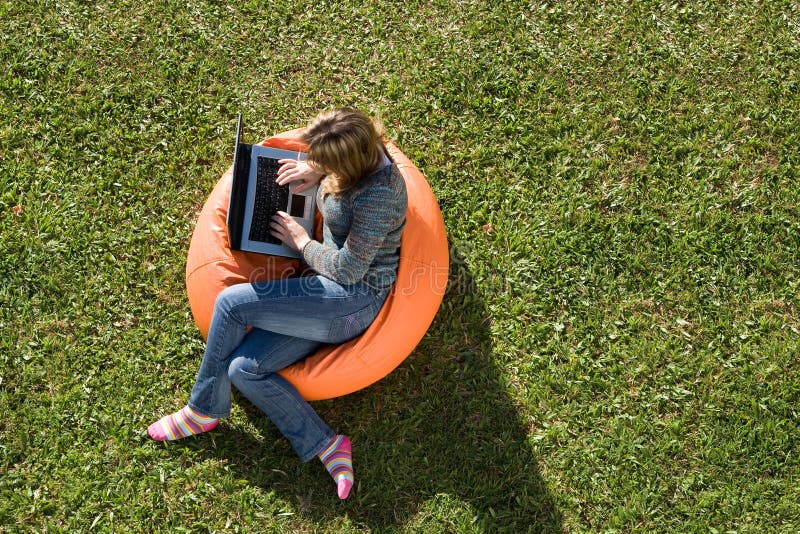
228 257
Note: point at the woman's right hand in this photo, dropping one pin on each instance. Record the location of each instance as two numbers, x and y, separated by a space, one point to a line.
299 172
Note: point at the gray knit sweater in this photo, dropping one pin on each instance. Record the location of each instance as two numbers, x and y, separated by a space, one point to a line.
361 231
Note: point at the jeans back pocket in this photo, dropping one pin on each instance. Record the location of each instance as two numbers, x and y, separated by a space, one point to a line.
354 324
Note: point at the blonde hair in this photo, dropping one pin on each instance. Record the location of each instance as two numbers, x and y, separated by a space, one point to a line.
344 144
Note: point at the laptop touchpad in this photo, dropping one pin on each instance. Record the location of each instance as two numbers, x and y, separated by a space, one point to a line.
298 206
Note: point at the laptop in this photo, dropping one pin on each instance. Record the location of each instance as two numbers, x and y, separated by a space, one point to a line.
255 198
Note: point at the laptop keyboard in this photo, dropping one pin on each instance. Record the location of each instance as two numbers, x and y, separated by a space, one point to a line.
270 197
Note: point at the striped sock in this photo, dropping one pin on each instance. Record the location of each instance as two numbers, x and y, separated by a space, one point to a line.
338 460
183 423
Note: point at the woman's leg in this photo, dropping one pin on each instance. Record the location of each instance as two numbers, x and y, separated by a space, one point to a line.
253 370
211 396
298 315
269 350
313 308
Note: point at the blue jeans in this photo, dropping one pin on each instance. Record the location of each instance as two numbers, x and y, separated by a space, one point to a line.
291 319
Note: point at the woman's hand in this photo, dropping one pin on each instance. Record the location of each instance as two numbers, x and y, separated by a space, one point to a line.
297 171
285 228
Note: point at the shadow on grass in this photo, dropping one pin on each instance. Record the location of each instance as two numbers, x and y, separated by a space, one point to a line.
438 444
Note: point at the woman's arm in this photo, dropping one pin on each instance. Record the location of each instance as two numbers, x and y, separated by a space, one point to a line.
375 213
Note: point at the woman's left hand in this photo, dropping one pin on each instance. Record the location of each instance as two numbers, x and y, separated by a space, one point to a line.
285 228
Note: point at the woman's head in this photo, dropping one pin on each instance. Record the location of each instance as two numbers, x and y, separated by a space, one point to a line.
345 145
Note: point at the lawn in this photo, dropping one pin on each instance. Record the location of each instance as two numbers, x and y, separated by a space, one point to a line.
617 350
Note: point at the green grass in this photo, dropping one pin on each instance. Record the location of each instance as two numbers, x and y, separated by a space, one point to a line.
617 350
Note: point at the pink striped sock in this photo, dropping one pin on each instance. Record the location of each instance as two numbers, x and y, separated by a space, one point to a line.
185 422
338 460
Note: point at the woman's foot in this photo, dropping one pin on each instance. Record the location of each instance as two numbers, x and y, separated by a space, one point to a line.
338 460
183 423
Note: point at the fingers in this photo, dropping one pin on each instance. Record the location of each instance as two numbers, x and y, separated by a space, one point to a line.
287 165
289 178
285 228
278 231
282 220
282 179
287 174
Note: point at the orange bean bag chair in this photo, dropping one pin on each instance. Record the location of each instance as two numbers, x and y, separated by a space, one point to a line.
405 317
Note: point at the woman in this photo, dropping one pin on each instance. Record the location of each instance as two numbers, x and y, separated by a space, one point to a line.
363 202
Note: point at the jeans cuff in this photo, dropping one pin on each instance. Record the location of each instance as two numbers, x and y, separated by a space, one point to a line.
205 412
317 448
